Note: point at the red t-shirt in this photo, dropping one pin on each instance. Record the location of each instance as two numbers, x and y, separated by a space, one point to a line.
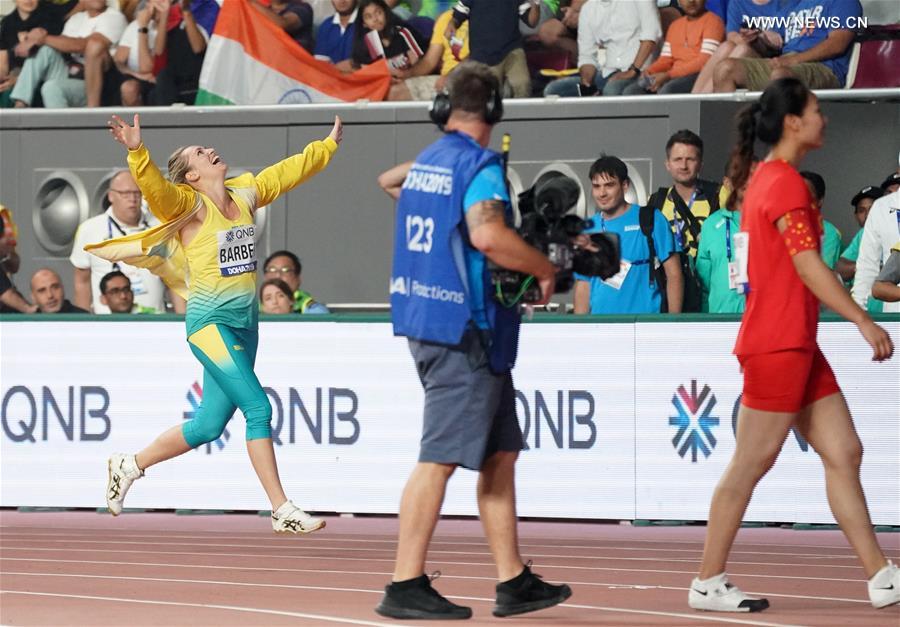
781 312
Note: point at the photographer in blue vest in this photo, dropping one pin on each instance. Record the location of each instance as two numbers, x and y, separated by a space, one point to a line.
453 217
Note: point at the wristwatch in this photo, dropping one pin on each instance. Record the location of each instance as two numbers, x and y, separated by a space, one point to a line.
143 29
634 68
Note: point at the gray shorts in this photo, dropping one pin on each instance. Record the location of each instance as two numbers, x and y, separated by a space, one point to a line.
470 412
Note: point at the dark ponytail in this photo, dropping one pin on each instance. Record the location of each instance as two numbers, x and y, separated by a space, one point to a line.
764 120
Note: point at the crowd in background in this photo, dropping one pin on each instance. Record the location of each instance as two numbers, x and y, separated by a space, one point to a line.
75 53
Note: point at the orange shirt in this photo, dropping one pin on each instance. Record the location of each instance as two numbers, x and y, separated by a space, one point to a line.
782 313
689 45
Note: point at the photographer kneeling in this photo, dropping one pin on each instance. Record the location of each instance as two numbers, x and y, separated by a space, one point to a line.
452 219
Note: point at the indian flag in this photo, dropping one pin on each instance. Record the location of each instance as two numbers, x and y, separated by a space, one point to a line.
251 61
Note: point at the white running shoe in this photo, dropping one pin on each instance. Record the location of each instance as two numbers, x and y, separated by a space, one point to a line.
716 594
123 470
291 519
884 586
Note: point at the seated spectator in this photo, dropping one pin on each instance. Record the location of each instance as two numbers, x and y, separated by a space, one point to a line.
185 46
862 202
275 297
741 40
295 17
15 44
286 266
690 42
495 40
561 30
892 183
68 68
334 39
380 34
716 254
445 53
11 300
631 291
48 294
814 53
626 31
879 236
117 295
887 285
831 237
142 41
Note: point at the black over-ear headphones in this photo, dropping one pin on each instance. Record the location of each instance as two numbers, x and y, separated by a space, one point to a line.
441 108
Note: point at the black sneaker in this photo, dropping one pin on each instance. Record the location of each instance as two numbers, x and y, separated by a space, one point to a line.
416 599
528 593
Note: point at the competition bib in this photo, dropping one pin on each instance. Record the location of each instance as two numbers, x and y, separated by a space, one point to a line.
237 250
616 280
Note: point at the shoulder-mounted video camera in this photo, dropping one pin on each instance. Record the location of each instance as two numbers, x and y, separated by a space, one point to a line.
549 222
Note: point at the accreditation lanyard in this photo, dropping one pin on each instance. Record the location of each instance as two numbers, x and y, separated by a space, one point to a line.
728 238
679 223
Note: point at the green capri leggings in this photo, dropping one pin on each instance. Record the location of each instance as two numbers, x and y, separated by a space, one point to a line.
229 383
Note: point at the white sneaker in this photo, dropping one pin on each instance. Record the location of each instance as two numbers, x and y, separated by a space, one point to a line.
884 586
123 470
716 594
291 519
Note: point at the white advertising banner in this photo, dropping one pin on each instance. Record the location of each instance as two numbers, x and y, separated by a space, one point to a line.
596 402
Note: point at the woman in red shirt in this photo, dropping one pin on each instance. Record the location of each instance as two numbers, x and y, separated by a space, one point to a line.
787 381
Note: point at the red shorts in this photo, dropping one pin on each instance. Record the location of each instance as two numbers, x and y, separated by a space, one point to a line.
786 381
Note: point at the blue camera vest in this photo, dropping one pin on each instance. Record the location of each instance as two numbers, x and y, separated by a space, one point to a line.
429 284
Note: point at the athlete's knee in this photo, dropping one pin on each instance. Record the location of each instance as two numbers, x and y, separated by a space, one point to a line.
199 432
259 418
844 455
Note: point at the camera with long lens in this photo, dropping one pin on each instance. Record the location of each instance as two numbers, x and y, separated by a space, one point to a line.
549 223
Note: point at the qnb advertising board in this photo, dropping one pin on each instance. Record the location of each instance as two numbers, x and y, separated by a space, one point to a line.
621 421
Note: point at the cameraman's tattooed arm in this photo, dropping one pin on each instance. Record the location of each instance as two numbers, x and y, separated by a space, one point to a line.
485 211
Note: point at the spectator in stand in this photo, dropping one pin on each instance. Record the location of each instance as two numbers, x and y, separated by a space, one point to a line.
74 80
117 295
879 237
185 45
561 30
334 39
741 40
124 216
48 294
626 31
275 297
690 42
831 237
887 285
445 53
814 53
295 17
286 266
892 183
634 289
14 35
379 33
495 40
142 41
11 300
715 253
846 266
685 205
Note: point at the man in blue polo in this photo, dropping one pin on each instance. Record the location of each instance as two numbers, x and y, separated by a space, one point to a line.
638 287
453 213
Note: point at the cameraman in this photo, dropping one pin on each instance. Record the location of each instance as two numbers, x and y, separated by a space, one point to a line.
452 218
637 288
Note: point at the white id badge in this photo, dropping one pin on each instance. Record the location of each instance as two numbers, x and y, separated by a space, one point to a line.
237 250
738 277
616 280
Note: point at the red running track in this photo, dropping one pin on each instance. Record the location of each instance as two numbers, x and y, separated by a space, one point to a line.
82 568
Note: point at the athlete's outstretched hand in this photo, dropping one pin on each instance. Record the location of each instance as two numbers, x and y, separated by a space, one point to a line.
878 339
337 133
128 136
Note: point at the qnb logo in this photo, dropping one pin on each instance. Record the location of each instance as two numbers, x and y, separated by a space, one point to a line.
195 397
694 421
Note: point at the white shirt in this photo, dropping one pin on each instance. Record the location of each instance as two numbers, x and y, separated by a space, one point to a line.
148 289
130 40
881 232
617 27
111 24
